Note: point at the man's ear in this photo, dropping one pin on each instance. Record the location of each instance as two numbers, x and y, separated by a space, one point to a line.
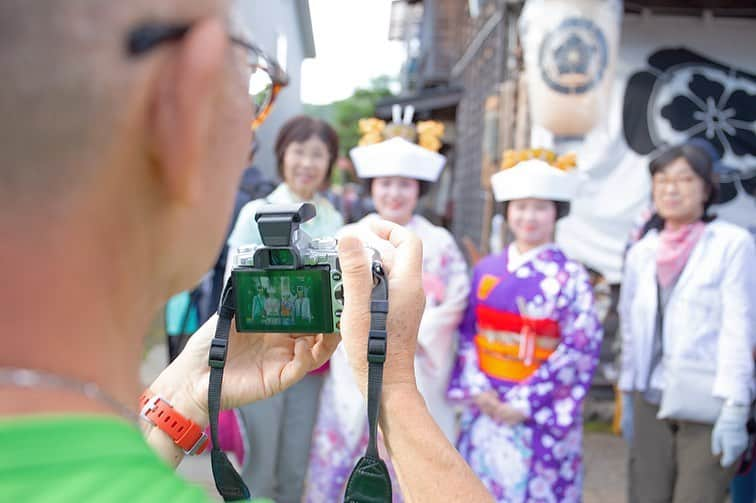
186 93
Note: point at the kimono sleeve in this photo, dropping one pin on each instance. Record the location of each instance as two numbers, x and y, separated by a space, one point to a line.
467 379
552 397
438 327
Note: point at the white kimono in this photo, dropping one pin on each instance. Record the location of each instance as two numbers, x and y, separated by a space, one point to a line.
340 433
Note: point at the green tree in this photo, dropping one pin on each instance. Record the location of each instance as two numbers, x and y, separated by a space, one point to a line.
346 113
323 112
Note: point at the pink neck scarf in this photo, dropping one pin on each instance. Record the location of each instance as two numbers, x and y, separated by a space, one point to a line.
674 250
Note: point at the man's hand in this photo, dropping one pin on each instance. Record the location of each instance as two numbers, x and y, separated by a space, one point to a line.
428 467
501 412
257 367
401 255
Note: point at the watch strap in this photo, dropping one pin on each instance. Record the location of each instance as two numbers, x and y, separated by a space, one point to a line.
184 432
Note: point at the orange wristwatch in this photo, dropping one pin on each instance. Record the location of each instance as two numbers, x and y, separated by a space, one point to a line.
185 433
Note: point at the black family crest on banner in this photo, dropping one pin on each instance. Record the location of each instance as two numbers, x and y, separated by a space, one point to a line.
684 95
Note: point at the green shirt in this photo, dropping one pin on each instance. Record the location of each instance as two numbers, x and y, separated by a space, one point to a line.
73 459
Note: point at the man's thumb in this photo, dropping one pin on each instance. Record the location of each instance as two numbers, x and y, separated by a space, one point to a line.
355 271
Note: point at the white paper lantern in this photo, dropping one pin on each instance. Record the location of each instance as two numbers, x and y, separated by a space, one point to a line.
570 49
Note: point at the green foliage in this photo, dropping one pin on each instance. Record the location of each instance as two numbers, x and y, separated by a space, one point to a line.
323 112
345 113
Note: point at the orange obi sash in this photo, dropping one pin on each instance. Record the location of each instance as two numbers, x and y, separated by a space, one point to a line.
511 347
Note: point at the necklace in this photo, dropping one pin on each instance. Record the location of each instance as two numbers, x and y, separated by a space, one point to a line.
30 378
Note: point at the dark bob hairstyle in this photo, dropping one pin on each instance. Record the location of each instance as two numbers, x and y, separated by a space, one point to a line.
702 165
300 129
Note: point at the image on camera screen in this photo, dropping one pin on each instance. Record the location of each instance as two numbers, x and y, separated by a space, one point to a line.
283 301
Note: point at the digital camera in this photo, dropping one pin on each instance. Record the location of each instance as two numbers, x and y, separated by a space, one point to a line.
291 283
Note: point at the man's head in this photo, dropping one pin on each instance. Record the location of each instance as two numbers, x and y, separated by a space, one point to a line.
141 154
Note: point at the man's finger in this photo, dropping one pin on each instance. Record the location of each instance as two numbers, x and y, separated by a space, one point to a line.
409 248
370 239
355 271
395 233
324 347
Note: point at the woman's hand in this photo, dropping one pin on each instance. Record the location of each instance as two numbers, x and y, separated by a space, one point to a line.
487 402
503 413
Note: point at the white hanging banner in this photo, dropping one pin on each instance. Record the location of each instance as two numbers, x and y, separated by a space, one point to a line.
676 78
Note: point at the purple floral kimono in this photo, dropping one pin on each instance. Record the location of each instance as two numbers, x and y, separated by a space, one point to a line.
540 459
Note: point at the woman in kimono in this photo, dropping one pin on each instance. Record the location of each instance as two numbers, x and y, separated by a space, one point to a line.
529 343
398 173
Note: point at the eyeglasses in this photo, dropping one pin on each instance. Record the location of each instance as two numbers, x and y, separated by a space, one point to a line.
265 78
683 182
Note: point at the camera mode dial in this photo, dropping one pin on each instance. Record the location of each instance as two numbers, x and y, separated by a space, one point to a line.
323 244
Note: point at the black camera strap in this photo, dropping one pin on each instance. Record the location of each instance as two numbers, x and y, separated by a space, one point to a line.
228 482
370 481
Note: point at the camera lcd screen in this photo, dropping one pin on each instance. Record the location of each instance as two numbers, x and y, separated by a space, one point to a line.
294 301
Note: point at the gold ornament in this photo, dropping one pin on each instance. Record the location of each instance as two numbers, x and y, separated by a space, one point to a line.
370 139
371 125
427 134
511 158
429 142
405 131
430 128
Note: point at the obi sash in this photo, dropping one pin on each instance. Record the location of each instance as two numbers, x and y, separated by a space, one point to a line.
510 346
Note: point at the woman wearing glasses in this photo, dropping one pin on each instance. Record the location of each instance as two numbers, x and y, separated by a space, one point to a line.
688 315
280 429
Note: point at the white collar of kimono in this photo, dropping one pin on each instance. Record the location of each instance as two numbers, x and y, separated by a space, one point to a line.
515 258
284 195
